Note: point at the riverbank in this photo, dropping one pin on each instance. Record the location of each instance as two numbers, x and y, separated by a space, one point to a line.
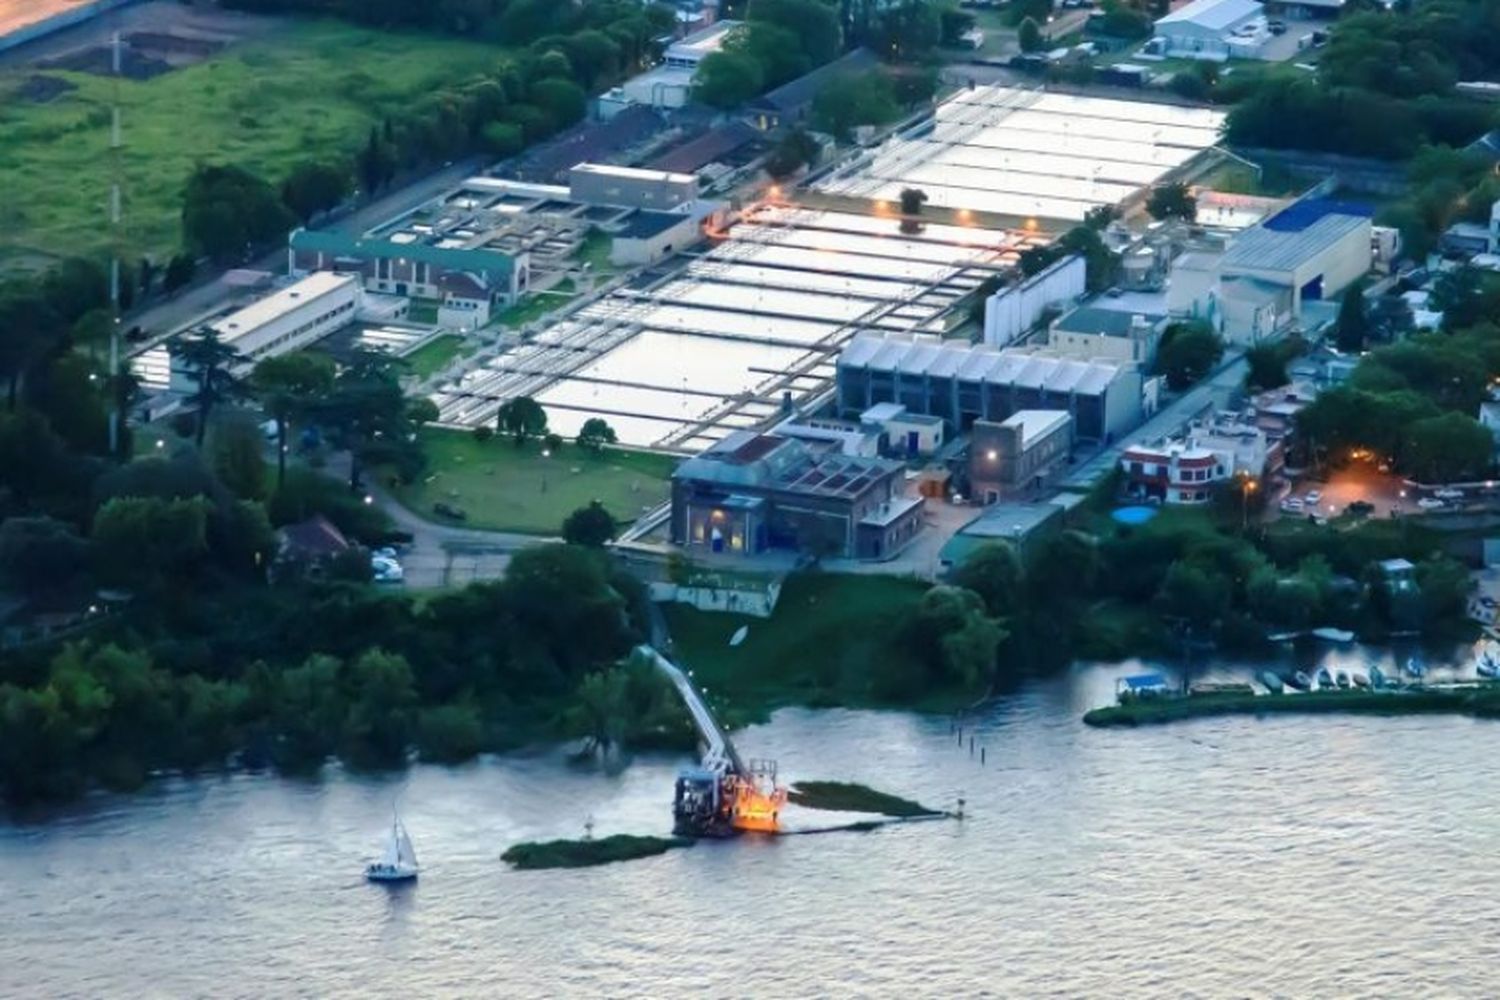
1480 702
841 796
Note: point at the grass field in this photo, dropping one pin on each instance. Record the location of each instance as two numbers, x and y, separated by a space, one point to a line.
817 649
434 355
533 307
506 488
307 90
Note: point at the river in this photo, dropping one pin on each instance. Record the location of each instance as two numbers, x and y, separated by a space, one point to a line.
1313 856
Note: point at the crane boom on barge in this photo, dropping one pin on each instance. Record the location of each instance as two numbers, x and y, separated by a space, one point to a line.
724 794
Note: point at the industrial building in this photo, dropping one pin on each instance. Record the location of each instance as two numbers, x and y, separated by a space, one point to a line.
753 492
285 321
1096 333
1308 252
1031 154
901 434
1013 310
963 383
1018 524
732 339
1018 455
789 104
489 241
1214 30
669 85
630 187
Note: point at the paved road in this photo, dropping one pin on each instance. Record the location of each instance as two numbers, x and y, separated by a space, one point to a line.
447 555
1213 393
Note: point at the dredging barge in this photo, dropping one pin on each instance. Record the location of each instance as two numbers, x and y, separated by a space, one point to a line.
724 795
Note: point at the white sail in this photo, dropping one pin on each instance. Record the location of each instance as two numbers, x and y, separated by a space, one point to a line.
392 854
406 855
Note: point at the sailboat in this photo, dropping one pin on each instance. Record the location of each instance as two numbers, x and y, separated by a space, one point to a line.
1487 666
399 862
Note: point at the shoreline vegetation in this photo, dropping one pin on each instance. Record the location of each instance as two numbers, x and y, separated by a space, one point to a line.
840 796
1481 702
541 855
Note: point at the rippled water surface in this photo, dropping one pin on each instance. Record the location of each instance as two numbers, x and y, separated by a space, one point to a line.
1317 856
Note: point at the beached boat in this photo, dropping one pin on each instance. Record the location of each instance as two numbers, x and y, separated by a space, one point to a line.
1342 679
1377 677
1325 679
1272 681
1300 681
1487 666
1334 634
1416 668
1360 680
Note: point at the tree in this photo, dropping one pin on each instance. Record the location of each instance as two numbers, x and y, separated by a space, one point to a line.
315 187
851 99
589 526
1101 264
595 434
1099 217
955 23
227 212
1197 595
1172 201
1187 353
795 150
376 162
29 330
40 556
1458 295
504 138
208 359
378 727
1029 35
993 571
727 79
238 458
1449 448
522 418
179 273
1267 363
1353 326
288 387
912 200
957 637
150 540
368 415
1390 319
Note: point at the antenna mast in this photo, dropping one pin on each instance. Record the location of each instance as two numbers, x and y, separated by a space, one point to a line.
116 241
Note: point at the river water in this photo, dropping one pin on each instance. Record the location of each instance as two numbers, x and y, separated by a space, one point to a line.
1315 856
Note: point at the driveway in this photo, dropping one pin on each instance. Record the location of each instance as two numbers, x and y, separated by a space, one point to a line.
443 555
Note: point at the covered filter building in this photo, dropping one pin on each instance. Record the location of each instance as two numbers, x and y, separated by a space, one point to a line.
962 383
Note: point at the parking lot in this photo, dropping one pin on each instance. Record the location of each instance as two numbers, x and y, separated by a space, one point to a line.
1357 481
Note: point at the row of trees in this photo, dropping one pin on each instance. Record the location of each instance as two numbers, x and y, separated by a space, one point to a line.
1415 401
343 670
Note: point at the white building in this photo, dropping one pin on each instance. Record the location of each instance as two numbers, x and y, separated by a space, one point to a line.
631 187
669 85
1309 252
284 321
1015 309
1094 333
647 237
1213 30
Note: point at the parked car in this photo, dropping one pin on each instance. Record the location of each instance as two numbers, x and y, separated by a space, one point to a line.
1276 27
1313 496
386 570
1292 505
1448 493
1360 508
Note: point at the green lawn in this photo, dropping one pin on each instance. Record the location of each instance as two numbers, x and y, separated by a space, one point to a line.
534 307
309 89
434 355
595 251
818 648
506 488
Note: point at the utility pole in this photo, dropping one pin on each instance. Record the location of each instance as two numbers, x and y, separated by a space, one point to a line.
116 390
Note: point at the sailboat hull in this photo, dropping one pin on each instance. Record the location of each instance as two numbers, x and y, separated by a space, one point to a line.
379 874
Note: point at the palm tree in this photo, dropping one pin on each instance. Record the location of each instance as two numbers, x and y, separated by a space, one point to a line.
209 359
